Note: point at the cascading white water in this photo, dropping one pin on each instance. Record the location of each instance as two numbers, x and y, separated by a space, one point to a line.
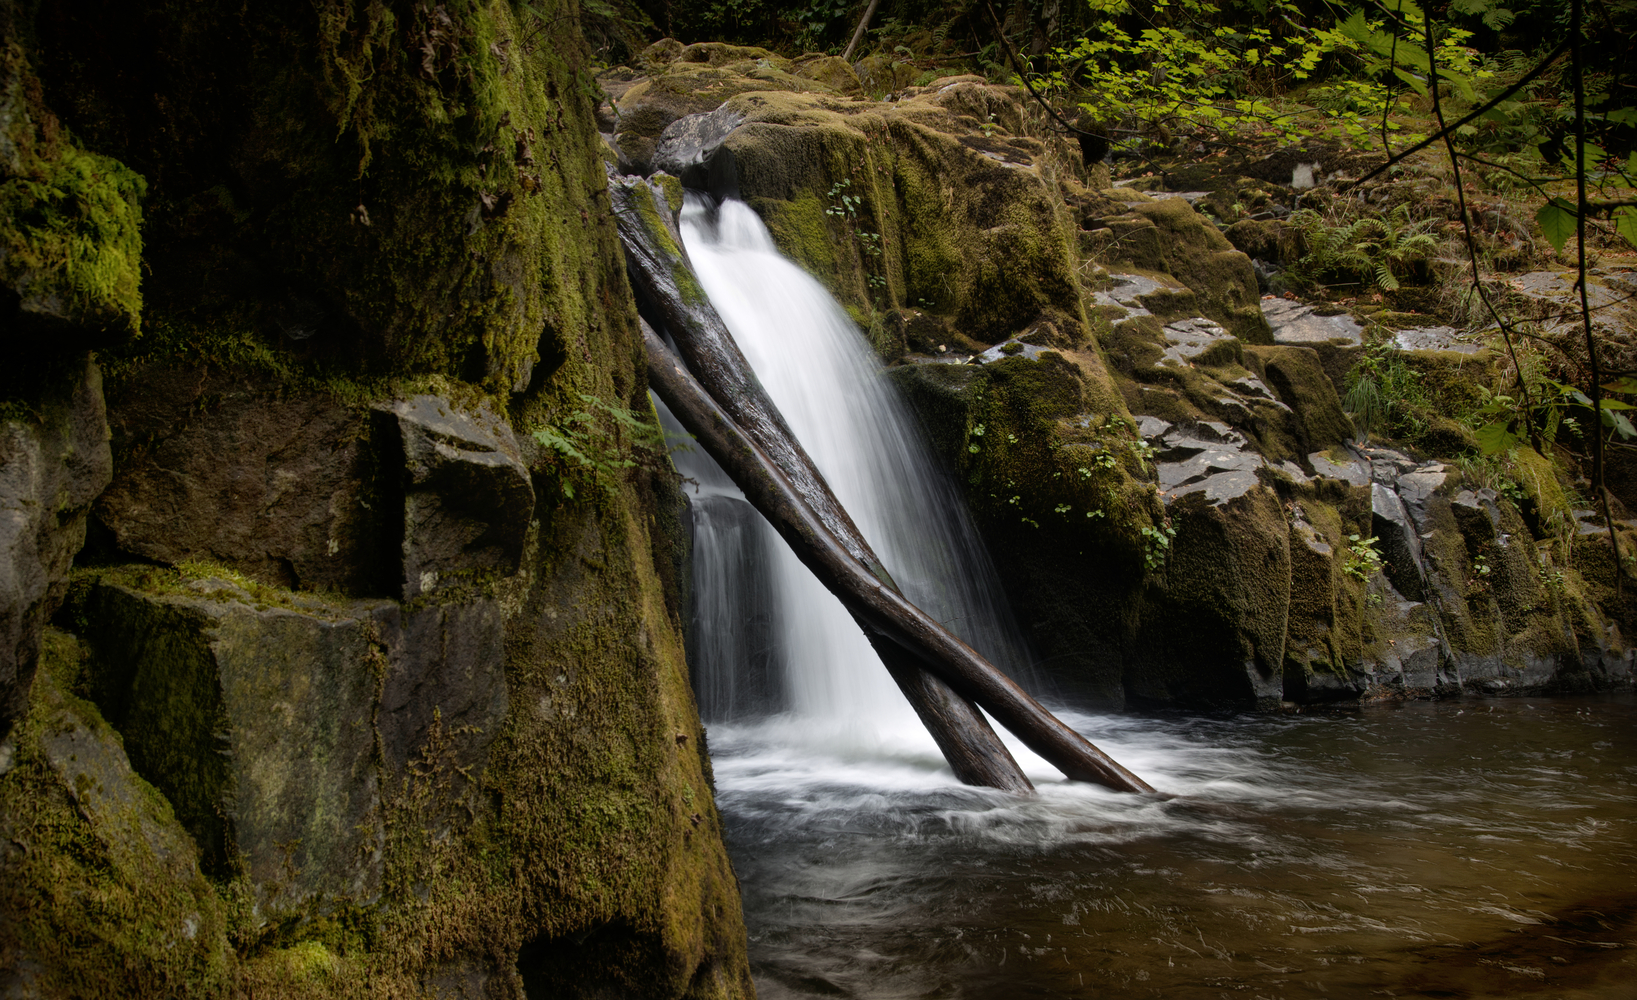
821 374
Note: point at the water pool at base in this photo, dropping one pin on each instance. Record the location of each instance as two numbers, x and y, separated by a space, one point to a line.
1451 849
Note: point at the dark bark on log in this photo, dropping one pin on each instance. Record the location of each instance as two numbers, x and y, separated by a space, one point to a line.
664 283
880 609
968 742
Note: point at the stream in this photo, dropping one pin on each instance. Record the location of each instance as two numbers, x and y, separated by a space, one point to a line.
1452 849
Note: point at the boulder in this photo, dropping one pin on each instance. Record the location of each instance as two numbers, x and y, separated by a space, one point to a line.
1322 630
1212 633
54 460
283 486
468 497
83 836
285 729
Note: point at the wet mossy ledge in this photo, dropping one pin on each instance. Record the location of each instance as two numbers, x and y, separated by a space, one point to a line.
354 689
1181 509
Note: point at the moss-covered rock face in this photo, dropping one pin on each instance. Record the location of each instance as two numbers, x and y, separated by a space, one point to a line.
70 220
390 187
410 686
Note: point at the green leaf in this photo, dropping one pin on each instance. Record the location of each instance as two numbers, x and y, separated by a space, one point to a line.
1496 438
1625 223
1557 223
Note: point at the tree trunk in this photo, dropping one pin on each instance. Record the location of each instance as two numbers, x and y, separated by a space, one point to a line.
858 33
876 605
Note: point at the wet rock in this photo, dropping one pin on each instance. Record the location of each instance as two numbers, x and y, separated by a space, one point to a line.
1316 664
1200 340
695 80
687 145
1400 542
1209 457
53 463
280 487
1417 487
1407 655
1214 632
1295 323
468 498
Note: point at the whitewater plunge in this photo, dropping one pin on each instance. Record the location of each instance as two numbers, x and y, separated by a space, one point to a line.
768 638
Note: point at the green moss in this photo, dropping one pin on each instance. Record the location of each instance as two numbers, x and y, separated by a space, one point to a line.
155 680
105 899
1541 484
70 220
1297 375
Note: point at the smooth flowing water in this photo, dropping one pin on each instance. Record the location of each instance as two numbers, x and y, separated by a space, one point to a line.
1455 849
1460 849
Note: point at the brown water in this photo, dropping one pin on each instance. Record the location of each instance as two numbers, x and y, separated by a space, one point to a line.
1456 849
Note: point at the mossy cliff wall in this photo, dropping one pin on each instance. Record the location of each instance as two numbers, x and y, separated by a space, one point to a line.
356 690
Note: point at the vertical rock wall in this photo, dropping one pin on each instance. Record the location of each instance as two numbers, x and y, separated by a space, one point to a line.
357 689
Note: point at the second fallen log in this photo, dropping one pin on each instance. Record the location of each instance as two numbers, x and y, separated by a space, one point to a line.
882 611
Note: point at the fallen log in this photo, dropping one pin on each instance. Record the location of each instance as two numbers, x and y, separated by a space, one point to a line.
665 284
877 606
666 287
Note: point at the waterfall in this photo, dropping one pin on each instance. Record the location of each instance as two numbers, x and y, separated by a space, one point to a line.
766 636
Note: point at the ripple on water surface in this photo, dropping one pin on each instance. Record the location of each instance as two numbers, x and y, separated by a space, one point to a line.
1474 849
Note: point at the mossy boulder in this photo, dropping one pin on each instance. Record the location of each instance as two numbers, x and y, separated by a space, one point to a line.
252 721
942 202
100 887
70 221
1227 575
1123 230
698 78
1323 637
1297 375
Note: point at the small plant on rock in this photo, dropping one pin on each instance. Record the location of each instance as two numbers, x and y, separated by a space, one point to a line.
1363 558
603 440
1157 546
